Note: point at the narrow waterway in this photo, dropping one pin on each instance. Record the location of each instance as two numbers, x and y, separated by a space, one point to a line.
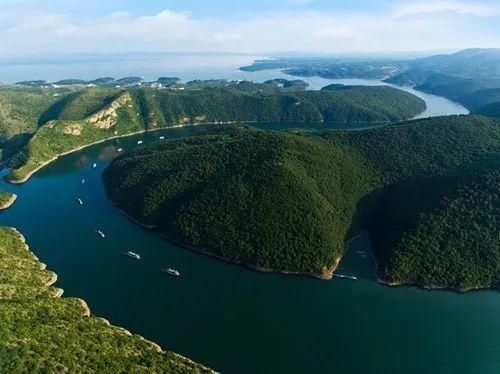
234 319
436 105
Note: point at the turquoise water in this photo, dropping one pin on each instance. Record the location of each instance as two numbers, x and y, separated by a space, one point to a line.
234 319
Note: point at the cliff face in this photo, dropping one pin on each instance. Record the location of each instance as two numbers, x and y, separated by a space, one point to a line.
106 117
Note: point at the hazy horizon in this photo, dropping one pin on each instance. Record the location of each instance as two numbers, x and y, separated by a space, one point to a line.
151 65
261 27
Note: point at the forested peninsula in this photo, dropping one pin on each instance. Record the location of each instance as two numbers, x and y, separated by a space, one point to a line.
41 122
42 332
288 201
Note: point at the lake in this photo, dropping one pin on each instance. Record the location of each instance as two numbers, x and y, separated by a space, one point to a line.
233 319
186 67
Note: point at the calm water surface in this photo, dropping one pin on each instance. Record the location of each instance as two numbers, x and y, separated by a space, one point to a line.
237 320
186 67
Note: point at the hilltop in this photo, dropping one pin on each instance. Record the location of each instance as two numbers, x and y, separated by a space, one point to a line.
288 202
76 118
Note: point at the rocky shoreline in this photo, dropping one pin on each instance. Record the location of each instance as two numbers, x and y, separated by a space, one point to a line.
428 287
28 175
85 310
327 273
9 203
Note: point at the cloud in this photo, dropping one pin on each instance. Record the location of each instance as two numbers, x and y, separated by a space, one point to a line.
446 25
337 32
469 8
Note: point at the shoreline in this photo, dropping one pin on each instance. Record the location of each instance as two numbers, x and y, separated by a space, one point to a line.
375 124
433 288
9 203
424 287
85 310
327 273
41 166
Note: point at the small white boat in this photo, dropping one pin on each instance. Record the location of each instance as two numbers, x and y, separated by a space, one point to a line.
80 201
162 137
133 255
345 276
100 233
83 181
139 142
172 272
94 165
120 149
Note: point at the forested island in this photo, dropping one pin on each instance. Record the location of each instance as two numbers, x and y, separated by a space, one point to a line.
63 119
289 201
41 332
470 77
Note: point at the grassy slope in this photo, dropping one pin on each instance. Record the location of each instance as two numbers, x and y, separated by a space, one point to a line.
59 136
20 111
21 108
149 109
80 104
302 195
41 333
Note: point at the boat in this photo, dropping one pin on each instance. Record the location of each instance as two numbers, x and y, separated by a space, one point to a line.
80 201
139 142
94 165
83 181
133 255
345 276
100 233
162 137
120 149
170 271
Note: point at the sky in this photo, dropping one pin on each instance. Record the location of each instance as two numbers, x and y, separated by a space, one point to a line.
264 27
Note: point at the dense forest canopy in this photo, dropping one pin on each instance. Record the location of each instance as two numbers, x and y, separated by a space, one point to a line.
40 332
289 201
69 118
470 77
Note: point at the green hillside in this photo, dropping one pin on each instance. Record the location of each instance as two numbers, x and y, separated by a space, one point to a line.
89 115
80 104
6 199
57 137
289 201
253 103
441 231
20 112
298 206
40 332
470 77
492 110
